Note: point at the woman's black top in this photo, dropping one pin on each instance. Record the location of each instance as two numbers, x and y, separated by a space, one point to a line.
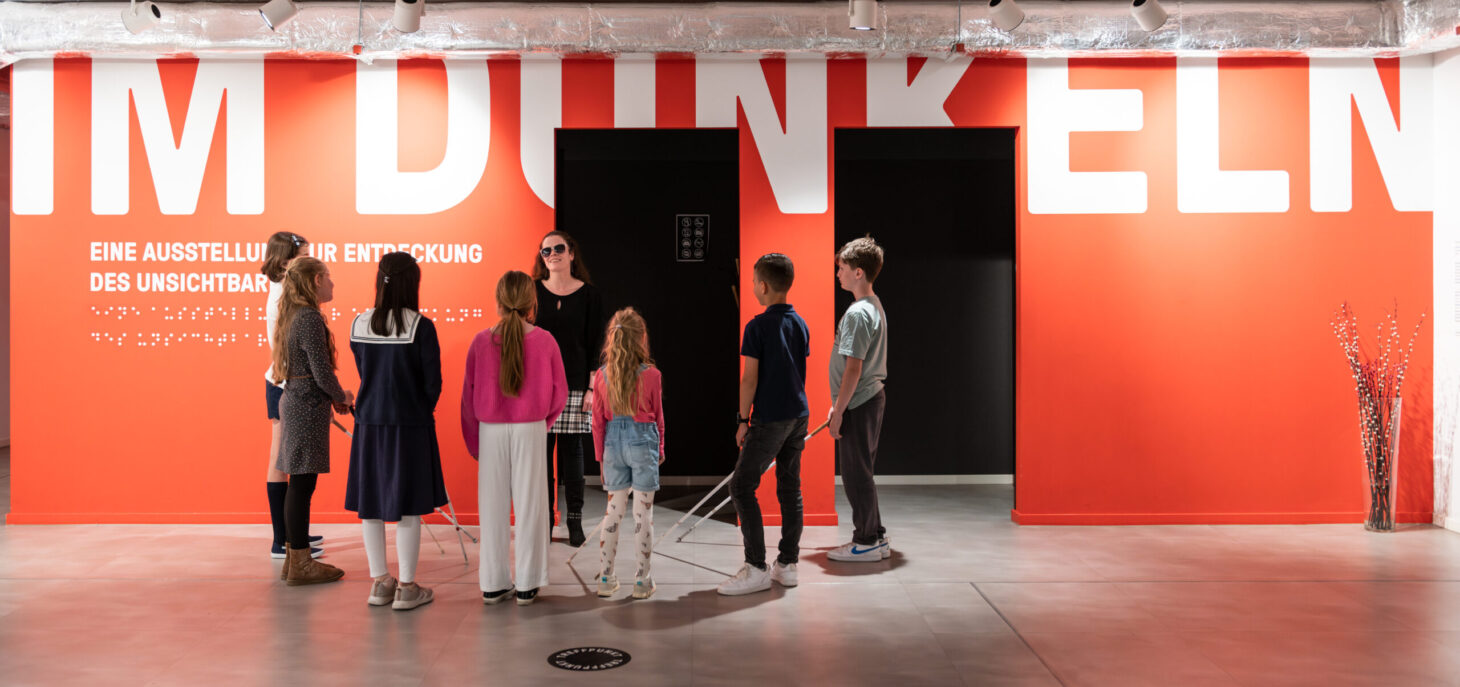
576 321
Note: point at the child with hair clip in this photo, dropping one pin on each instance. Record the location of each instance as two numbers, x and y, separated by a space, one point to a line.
395 461
628 436
281 249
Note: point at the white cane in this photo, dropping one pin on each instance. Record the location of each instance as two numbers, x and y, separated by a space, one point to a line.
717 508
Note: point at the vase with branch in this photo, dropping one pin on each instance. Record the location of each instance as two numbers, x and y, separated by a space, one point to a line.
1378 381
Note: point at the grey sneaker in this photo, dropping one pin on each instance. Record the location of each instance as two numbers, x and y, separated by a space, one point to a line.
749 580
382 591
410 595
886 545
607 585
784 575
644 588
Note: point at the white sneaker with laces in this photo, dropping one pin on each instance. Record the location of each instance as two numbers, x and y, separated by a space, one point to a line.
749 580
852 552
784 575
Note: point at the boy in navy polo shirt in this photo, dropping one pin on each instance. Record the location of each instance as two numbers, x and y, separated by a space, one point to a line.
775 349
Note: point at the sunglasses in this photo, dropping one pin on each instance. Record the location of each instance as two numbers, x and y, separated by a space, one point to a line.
559 249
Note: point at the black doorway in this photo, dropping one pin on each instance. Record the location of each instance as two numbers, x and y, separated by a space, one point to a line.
941 202
624 194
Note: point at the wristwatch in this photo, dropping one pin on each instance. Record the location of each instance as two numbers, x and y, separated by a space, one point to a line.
739 419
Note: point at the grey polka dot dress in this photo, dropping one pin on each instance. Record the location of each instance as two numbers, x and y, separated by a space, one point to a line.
306 408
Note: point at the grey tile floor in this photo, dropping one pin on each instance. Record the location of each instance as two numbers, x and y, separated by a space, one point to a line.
968 598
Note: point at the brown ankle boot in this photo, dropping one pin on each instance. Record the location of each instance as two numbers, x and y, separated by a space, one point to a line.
304 569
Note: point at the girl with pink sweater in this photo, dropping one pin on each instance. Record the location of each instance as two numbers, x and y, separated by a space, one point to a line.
514 389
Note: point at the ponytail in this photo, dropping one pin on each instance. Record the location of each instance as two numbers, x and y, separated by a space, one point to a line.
516 298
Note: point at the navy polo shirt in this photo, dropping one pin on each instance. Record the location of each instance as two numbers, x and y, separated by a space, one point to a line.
779 339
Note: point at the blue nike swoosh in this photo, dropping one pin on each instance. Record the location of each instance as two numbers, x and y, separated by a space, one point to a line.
857 552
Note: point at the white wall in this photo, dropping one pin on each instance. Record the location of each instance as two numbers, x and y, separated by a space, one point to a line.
1446 322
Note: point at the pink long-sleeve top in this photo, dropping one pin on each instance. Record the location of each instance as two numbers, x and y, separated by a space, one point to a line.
650 406
544 388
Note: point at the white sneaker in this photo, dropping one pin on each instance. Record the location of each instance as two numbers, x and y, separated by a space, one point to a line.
749 580
644 588
886 545
852 552
607 585
784 575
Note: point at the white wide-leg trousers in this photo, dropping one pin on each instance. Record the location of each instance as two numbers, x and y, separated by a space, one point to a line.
512 477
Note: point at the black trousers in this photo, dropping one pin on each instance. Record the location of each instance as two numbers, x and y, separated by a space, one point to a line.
296 508
570 470
857 453
782 442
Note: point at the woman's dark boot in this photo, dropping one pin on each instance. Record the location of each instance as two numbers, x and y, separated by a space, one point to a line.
575 529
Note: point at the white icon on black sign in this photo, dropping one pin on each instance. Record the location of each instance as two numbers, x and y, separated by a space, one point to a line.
692 237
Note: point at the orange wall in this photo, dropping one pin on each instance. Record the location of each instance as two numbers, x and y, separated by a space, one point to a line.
1171 367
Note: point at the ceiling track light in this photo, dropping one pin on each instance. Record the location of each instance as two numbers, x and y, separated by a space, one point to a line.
140 16
407 18
1148 13
1005 14
276 12
862 14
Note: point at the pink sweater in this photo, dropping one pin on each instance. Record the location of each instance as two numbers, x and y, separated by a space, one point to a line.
651 406
544 389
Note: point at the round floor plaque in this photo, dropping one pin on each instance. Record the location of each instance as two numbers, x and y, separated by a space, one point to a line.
589 658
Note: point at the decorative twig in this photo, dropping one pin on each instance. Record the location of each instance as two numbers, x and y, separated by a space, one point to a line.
1378 381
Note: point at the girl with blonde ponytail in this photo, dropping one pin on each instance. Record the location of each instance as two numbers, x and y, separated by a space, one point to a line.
304 356
628 437
514 389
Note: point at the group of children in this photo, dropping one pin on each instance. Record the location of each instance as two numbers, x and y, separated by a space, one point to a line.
513 395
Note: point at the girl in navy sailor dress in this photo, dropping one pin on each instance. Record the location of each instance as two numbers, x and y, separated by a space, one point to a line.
395 461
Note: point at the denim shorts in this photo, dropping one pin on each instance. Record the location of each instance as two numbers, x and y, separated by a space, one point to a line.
630 455
272 394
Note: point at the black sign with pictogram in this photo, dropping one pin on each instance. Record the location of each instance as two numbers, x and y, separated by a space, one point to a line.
691 237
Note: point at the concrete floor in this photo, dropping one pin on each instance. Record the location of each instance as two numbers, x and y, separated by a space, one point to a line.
968 598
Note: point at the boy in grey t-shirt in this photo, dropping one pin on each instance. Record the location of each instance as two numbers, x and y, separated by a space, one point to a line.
858 368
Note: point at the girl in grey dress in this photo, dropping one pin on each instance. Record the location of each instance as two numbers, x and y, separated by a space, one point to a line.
304 354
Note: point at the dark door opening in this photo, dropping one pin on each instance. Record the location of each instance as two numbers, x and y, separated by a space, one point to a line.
942 204
657 215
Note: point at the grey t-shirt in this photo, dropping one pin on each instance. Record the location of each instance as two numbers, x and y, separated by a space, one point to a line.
862 334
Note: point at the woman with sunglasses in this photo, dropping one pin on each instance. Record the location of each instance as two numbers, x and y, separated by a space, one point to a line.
571 309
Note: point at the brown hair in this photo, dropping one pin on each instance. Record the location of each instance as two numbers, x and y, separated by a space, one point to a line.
625 348
864 254
517 299
577 269
283 246
298 294
776 271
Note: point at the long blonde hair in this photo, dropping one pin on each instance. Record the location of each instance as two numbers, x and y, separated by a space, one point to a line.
299 293
517 299
625 348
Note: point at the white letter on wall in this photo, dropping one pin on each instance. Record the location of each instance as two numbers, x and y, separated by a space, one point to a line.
1201 185
892 101
1403 152
542 114
795 158
33 138
177 168
380 187
1054 112
633 91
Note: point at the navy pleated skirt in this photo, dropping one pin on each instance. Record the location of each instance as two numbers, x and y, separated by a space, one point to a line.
394 471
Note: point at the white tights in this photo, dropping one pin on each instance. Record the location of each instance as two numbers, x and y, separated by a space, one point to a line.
643 530
407 546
